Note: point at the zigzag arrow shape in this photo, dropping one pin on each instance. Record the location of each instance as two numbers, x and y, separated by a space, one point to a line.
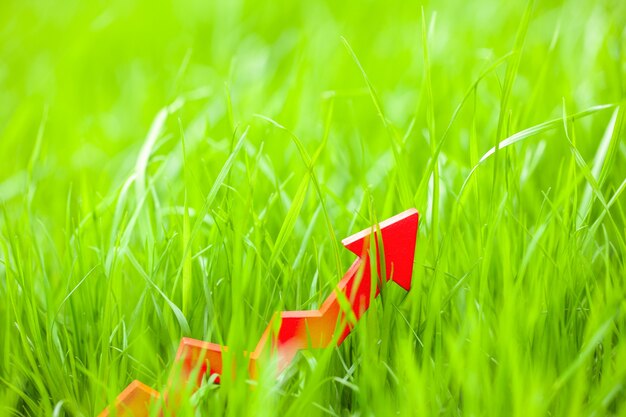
296 330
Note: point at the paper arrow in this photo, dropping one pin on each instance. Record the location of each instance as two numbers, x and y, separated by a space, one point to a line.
296 330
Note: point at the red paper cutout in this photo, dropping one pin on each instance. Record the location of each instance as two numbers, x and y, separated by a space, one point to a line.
309 329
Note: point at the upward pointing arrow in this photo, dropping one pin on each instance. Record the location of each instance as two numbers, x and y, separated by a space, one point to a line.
394 240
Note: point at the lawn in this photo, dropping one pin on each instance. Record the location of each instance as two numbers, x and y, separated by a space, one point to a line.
188 168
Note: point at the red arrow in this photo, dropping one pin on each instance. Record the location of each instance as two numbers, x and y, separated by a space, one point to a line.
309 329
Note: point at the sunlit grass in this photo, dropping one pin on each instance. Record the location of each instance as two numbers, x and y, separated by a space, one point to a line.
187 168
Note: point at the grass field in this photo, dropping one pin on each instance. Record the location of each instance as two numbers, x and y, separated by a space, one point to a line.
173 169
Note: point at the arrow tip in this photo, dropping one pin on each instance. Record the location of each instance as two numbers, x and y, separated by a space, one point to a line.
399 234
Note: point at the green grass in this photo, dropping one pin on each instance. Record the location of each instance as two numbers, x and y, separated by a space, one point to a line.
184 168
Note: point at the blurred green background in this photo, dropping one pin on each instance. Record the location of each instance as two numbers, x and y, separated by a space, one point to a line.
117 240
104 69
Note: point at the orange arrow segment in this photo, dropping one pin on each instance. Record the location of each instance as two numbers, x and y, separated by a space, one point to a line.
133 401
307 329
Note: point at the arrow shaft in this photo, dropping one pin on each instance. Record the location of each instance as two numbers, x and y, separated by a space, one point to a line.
304 329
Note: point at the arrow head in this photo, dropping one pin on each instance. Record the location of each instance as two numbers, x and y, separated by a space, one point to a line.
399 234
